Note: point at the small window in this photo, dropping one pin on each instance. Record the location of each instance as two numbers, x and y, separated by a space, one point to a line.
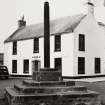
26 66
81 42
14 66
97 65
36 45
15 48
58 43
81 65
58 64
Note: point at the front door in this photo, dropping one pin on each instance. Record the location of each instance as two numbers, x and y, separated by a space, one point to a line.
36 65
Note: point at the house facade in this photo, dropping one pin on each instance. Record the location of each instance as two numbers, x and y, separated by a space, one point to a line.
77 47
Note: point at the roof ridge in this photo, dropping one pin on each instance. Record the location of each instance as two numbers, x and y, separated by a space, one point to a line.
55 19
58 25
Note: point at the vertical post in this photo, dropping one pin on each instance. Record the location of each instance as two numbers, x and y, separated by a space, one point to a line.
46 36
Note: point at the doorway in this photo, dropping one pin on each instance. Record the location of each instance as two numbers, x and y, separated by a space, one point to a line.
36 65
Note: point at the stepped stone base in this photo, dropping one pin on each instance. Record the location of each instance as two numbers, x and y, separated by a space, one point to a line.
47 88
31 92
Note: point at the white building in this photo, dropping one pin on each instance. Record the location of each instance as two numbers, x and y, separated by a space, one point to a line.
77 46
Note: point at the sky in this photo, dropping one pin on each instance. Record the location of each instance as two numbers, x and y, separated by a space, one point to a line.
12 10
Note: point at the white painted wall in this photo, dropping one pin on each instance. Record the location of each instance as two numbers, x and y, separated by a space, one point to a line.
94 45
7 56
67 54
25 51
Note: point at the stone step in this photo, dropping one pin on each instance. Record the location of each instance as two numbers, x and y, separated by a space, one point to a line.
16 98
31 82
13 92
38 89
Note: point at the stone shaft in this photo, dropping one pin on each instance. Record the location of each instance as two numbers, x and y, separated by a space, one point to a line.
46 36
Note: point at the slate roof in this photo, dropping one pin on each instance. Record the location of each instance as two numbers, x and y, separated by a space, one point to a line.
57 26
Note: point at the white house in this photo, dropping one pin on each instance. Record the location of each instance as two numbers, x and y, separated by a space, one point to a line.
77 46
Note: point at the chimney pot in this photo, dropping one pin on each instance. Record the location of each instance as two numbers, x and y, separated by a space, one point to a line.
21 22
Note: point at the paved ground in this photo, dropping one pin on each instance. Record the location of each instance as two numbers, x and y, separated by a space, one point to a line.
95 84
8 83
95 79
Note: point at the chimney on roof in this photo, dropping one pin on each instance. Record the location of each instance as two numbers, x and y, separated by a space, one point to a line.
90 7
21 22
46 36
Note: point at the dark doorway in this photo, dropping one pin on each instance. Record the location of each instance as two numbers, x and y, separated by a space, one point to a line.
36 65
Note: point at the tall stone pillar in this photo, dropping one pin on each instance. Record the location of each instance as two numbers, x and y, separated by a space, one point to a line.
46 36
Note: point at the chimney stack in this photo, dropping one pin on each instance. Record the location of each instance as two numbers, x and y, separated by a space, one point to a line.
46 36
90 7
21 22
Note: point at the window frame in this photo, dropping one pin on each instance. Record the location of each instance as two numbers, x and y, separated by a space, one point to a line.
36 45
14 68
97 60
81 44
81 70
57 43
14 50
24 66
60 62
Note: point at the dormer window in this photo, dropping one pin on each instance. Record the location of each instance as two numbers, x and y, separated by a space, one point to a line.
58 43
81 42
36 45
15 48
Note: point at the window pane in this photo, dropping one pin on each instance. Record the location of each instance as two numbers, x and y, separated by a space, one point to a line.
57 43
26 66
36 45
14 48
14 66
97 65
81 42
81 65
58 64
